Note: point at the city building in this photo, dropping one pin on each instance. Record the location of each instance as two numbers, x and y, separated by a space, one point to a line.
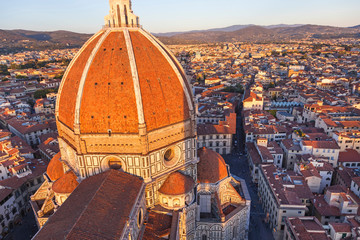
304 228
283 194
335 205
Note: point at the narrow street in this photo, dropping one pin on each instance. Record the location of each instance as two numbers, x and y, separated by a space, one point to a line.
24 231
240 167
258 228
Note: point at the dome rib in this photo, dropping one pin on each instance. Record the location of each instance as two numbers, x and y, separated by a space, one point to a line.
175 68
84 76
70 82
135 77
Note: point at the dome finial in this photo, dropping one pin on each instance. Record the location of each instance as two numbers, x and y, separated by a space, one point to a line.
121 15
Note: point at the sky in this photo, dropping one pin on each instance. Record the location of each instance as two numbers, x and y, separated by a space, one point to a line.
86 16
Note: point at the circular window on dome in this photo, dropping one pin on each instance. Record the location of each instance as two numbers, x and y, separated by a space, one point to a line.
172 156
114 163
169 155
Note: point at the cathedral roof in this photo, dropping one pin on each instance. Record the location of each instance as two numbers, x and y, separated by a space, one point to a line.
98 208
55 168
212 167
66 184
177 184
121 79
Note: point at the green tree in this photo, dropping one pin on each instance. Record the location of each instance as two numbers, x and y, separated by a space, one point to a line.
42 93
238 88
275 53
21 77
347 48
4 70
273 112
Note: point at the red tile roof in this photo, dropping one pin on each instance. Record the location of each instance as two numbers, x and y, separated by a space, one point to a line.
350 155
55 168
66 184
71 84
109 99
177 184
322 144
212 167
158 226
341 227
99 208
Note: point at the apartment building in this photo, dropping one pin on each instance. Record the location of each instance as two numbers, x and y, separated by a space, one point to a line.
282 195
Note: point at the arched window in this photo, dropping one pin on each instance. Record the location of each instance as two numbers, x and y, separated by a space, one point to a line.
204 237
140 217
176 202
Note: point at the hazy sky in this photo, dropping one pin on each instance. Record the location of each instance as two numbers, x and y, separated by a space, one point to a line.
174 15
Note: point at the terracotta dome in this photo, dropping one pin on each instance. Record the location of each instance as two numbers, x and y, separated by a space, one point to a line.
55 168
66 184
212 167
177 184
122 79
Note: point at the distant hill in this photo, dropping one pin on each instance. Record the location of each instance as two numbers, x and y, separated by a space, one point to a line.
18 40
356 27
225 29
253 33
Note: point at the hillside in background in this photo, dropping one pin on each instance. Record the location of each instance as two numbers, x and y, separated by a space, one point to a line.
253 33
20 40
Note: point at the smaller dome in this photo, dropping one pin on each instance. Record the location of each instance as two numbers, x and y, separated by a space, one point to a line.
212 167
55 168
177 184
66 184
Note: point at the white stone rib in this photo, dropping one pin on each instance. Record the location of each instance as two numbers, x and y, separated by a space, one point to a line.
176 70
83 78
135 77
69 69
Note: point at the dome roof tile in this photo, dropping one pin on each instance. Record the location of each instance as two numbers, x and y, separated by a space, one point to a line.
177 184
66 184
212 167
120 78
55 168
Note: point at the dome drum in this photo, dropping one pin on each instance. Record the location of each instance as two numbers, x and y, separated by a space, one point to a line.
126 143
175 202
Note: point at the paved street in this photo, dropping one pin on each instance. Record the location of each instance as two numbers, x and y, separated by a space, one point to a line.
258 229
24 231
239 166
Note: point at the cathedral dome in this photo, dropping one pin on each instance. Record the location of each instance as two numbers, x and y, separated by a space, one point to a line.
212 167
123 81
177 184
55 168
66 184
